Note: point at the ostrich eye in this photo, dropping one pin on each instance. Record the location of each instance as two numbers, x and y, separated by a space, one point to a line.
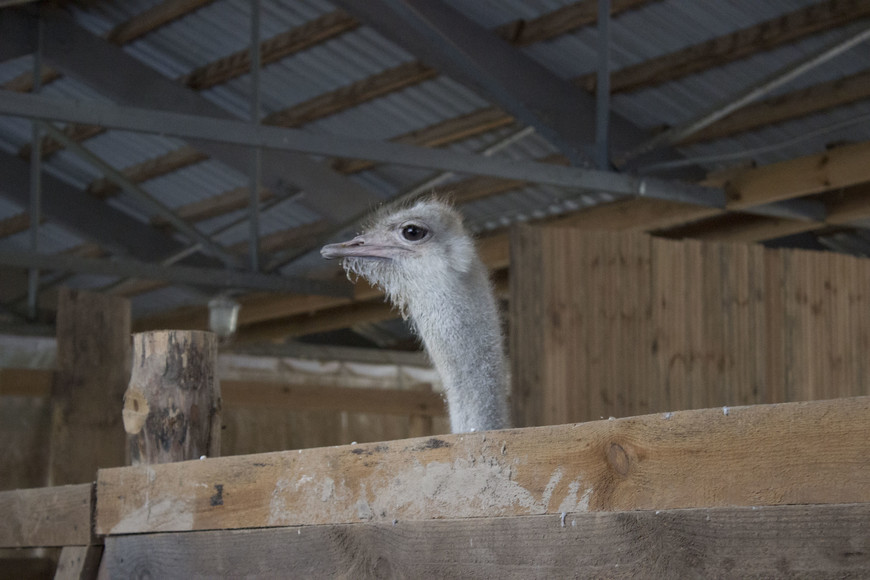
414 233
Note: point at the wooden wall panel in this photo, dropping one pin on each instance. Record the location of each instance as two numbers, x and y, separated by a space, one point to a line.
619 324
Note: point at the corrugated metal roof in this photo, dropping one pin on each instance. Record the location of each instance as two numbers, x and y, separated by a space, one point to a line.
221 28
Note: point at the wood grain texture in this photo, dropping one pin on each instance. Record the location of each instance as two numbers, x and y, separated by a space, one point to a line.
608 324
47 516
172 406
93 370
78 563
760 455
741 44
784 541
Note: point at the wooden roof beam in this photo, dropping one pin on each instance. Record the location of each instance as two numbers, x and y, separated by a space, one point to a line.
150 20
272 50
561 21
735 46
782 108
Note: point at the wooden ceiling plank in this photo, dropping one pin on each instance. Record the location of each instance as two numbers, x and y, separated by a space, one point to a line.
23 83
741 228
15 224
228 201
735 46
149 169
77 133
272 50
794 105
562 21
341 99
849 205
150 20
437 135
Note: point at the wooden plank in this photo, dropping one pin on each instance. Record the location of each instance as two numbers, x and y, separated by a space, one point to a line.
77 133
15 224
394 79
149 169
782 541
23 83
93 371
639 214
561 21
296 237
793 105
739 228
342 316
848 205
685 459
78 563
272 50
735 46
354 400
226 202
153 18
47 516
25 382
839 167
437 135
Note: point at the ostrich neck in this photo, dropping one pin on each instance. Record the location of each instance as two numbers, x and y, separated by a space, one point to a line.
460 328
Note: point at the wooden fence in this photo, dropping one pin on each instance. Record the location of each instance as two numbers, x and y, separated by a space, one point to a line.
606 324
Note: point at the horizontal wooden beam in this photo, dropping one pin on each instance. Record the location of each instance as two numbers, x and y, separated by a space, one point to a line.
277 395
394 79
838 167
273 394
735 46
149 169
814 99
272 50
739 228
803 541
710 458
561 21
153 18
48 516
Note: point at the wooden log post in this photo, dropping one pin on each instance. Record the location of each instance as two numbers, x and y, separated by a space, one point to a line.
172 407
93 369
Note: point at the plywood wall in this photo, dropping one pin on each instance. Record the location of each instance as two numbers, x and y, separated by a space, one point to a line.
613 324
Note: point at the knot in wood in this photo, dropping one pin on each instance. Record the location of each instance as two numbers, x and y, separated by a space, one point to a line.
618 459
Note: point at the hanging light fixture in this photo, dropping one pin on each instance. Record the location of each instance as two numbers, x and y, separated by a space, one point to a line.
223 315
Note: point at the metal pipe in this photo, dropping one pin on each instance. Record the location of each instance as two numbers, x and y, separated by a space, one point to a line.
220 278
256 153
35 178
602 88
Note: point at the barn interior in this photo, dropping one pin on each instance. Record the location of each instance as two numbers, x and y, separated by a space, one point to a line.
672 200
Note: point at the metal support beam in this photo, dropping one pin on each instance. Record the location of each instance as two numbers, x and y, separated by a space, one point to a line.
142 196
242 133
87 217
602 88
218 278
35 178
126 81
256 160
743 98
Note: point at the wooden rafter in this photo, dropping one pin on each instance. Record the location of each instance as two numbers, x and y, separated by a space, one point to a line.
391 80
152 19
23 83
75 132
274 49
149 169
814 99
561 21
14 224
735 46
437 135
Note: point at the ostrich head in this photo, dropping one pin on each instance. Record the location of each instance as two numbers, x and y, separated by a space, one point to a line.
408 251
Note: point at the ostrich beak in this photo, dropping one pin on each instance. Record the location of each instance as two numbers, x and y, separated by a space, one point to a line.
359 248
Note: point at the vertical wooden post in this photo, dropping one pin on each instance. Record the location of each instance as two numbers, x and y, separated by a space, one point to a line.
172 407
93 360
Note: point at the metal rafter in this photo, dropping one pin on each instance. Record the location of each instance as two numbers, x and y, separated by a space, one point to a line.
275 138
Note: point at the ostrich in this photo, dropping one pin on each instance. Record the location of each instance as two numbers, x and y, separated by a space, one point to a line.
423 259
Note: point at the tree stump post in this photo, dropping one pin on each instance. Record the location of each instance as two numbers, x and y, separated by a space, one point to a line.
172 407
